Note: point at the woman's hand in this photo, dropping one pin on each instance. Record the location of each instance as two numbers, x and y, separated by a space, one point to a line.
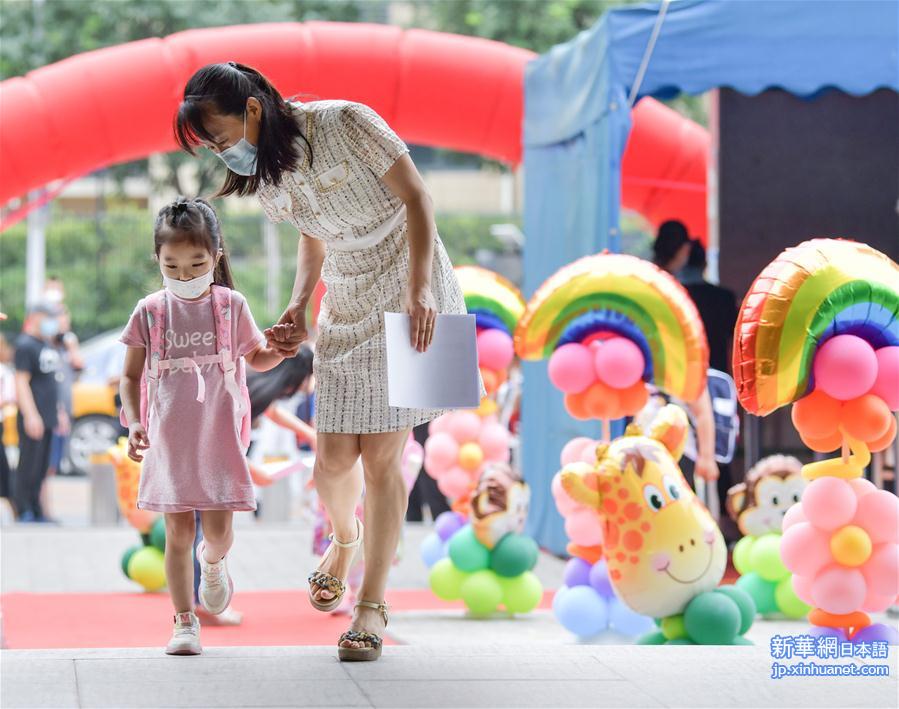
286 336
422 310
137 441
706 468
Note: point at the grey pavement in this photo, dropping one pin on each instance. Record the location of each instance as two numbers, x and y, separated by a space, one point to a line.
479 675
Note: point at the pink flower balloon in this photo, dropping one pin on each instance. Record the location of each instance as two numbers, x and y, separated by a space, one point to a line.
845 367
464 426
794 515
839 590
862 487
564 503
619 363
495 349
494 440
886 385
454 483
583 527
438 425
572 450
875 603
571 368
829 503
802 585
441 453
881 571
588 453
804 549
878 515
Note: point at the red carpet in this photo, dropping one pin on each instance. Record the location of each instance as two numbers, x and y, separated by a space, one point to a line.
69 620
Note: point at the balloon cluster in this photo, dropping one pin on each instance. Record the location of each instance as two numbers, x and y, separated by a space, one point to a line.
485 579
842 545
495 353
127 479
765 578
601 379
145 563
587 605
460 444
717 617
856 388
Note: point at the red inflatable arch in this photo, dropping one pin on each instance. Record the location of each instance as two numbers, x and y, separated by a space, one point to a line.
464 93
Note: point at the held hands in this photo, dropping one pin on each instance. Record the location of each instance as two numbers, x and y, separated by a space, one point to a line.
137 441
422 310
286 336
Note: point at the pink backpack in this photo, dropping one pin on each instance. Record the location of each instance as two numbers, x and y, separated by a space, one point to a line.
235 374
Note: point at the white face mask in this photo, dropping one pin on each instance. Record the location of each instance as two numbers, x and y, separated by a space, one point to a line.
191 289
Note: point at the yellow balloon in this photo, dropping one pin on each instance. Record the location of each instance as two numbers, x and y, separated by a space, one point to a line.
850 545
471 456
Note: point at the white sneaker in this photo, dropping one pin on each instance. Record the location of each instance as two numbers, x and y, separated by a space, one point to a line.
185 636
216 586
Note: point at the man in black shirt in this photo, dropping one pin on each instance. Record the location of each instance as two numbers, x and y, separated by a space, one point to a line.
37 364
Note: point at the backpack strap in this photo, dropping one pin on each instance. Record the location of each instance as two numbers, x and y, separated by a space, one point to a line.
221 309
155 305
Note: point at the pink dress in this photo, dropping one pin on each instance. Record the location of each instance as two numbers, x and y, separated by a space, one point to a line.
195 460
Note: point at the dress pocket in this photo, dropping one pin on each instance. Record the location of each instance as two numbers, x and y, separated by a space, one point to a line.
334 177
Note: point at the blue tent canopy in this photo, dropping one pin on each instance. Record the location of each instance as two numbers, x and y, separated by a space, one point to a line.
577 118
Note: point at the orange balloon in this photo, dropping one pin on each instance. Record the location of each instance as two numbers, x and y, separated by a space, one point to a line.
576 405
633 399
823 445
885 440
866 418
602 401
491 380
816 415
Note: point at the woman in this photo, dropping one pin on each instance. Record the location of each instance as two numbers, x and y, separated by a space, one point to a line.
342 177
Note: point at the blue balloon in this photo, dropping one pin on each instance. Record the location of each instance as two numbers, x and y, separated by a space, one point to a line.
581 611
433 549
577 572
628 622
599 580
448 523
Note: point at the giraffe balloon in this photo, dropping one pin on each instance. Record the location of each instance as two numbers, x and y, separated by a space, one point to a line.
661 544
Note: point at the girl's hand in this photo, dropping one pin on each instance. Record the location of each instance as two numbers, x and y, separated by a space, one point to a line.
289 332
422 310
137 441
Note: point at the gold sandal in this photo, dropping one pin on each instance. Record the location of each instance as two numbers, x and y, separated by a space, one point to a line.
363 654
325 581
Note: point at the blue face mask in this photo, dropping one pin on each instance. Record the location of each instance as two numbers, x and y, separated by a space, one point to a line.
241 157
49 328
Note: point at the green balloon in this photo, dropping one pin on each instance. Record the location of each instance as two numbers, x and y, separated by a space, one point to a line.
765 559
514 555
126 557
147 567
521 594
673 627
741 552
681 641
467 553
761 592
446 580
157 534
744 603
788 602
656 637
712 619
482 592
740 640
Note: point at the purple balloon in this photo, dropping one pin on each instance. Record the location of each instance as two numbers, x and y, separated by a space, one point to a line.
820 631
877 632
599 580
447 524
577 573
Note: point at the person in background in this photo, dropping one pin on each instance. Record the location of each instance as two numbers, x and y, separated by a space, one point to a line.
671 251
37 365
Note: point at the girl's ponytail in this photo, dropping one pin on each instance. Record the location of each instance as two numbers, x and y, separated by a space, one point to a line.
222 275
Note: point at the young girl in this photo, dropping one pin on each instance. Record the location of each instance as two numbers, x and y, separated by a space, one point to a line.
184 398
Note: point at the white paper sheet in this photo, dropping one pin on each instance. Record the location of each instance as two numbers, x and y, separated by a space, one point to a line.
443 377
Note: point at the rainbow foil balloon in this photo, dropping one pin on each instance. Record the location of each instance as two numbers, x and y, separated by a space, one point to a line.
819 329
497 306
608 324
